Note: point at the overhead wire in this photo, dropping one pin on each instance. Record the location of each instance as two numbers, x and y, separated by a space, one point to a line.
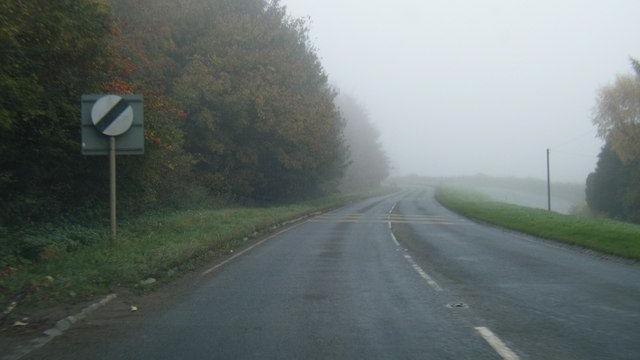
590 132
573 154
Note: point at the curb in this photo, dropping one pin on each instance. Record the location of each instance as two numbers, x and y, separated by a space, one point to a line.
59 329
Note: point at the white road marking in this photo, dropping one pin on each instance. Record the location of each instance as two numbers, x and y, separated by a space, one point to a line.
393 207
251 247
434 285
497 344
428 222
422 216
59 329
393 237
433 218
336 221
422 273
374 221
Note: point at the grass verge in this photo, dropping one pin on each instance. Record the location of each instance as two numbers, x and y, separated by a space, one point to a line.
604 235
157 245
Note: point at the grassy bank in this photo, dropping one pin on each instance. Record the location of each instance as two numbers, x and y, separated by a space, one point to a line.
604 235
157 245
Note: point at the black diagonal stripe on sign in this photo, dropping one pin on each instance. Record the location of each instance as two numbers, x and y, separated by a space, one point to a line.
112 115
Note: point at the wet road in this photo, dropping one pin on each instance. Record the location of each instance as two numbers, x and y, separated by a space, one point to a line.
391 277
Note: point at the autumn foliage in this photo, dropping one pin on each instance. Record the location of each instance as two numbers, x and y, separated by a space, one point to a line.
613 189
237 104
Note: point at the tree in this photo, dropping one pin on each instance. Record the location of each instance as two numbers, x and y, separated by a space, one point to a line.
636 66
236 102
613 188
261 119
368 164
52 52
617 115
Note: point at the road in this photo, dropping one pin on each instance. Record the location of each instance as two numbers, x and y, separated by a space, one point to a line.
363 283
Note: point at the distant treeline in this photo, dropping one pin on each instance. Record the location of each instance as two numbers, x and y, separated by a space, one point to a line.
368 164
237 104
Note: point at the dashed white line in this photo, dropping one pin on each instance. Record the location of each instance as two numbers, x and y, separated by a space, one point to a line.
393 208
389 218
423 274
500 347
393 237
434 285
497 344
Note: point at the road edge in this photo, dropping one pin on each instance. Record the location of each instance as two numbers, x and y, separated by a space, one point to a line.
559 244
61 326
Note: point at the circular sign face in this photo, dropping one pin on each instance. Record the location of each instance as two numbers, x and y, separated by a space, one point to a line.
112 115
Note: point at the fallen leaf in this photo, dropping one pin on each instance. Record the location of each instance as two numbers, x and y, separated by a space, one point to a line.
147 282
10 308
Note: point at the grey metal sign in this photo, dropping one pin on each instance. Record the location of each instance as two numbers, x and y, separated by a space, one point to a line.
105 116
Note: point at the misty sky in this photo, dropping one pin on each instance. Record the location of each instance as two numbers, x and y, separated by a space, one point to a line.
463 87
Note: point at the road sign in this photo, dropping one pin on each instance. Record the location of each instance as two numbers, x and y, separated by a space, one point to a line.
107 115
111 125
112 115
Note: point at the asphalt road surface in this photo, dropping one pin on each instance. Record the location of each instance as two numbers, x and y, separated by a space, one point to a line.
395 277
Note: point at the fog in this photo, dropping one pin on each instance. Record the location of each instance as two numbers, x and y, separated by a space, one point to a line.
465 87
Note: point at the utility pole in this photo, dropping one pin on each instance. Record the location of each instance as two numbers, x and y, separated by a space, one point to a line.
548 183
